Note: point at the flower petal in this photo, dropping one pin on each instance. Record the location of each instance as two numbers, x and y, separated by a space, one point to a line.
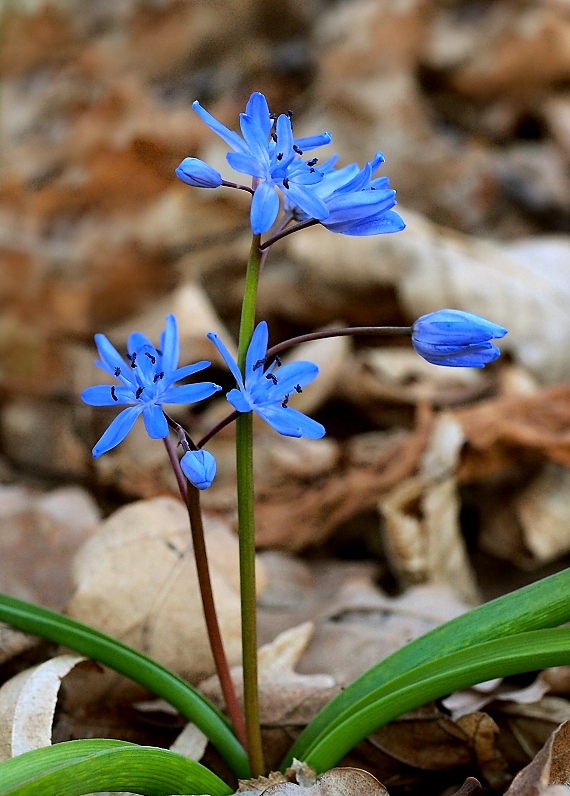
387 221
258 109
105 395
183 372
227 357
246 164
189 393
255 139
232 139
290 423
155 421
170 345
117 431
238 401
110 357
307 200
313 141
289 376
256 350
264 208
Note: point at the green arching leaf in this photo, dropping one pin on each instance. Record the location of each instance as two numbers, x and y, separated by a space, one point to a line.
540 605
133 664
76 768
523 652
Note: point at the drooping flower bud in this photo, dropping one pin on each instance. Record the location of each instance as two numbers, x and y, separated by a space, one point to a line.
195 172
199 467
456 339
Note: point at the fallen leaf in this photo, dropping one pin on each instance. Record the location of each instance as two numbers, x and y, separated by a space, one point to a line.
27 705
336 782
191 743
551 766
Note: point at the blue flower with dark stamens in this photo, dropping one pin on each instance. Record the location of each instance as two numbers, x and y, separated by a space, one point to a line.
357 204
266 390
270 154
456 339
146 381
199 467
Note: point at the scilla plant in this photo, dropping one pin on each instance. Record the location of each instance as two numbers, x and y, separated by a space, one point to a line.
519 632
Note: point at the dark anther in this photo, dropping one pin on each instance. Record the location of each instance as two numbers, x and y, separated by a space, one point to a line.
272 377
274 137
158 376
312 162
134 360
298 388
114 394
372 189
312 171
278 361
159 352
280 156
139 392
151 357
297 150
259 364
285 402
273 116
289 114
285 183
117 371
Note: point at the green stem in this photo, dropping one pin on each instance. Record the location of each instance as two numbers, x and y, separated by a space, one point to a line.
246 523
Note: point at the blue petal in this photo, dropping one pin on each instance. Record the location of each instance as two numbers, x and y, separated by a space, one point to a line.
246 164
137 340
170 345
295 373
284 137
101 395
182 373
256 350
195 172
473 356
199 467
385 222
155 421
117 431
313 141
264 208
238 401
232 139
258 109
290 423
189 393
307 200
450 327
228 359
111 359
254 138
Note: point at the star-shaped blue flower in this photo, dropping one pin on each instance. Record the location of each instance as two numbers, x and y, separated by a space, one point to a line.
266 390
270 154
456 339
145 382
357 203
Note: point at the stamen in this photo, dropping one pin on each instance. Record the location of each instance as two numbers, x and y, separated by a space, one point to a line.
274 137
285 183
272 377
273 117
151 357
280 156
259 364
278 360
312 171
285 402
117 371
158 376
134 360
312 162
298 388
289 114
139 392
297 150
114 394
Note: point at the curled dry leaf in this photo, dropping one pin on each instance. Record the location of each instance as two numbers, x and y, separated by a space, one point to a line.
336 782
551 766
191 742
13 642
27 705
145 551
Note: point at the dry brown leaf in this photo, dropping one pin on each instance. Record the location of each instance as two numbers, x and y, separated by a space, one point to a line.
27 705
551 766
462 703
191 743
145 551
336 782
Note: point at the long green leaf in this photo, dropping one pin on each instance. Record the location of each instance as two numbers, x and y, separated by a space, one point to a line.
540 605
80 767
499 658
140 668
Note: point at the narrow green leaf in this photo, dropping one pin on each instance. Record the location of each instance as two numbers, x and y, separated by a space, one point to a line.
140 668
524 652
76 768
540 605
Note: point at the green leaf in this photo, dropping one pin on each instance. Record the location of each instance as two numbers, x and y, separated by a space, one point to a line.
79 767
140 668
540 605
499 658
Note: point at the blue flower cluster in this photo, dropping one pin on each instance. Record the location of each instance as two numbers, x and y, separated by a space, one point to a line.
348 201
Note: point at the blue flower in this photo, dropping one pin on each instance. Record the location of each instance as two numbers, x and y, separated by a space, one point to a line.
265 392
199 467
357 204
456 339
270 154
198 174
146 382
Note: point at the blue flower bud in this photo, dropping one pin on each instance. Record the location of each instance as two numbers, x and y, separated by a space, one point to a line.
199 467
198 174
456 339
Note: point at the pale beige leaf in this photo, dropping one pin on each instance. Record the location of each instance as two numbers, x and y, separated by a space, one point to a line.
191 742
336 782
27 705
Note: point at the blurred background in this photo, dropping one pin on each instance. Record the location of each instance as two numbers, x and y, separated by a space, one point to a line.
469 100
